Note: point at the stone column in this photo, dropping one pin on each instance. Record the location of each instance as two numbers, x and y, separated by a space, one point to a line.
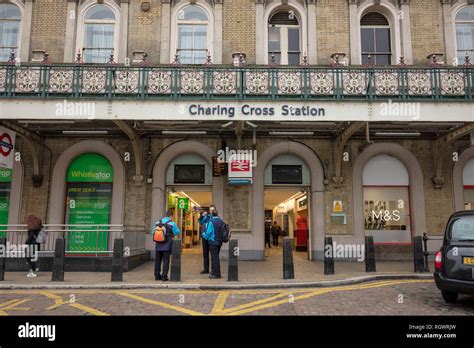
260 33
26 31
355 58
405 33
449 36
70 36
217 49
165 32
123 35
312 36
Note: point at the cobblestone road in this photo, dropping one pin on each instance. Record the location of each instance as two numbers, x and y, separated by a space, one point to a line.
394 297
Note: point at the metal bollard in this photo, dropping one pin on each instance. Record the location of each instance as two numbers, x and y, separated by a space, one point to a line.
418 259
328 256
288 267
3 259
233 267
370 254
59 259
117 261
176 261
426 253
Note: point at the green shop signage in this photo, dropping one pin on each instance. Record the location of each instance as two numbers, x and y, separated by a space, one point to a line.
89 192
5 188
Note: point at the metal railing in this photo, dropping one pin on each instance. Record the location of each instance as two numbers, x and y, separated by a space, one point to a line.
85 240
226 82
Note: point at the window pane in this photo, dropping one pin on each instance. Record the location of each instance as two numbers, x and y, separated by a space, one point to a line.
185 36
293 39
469 199
99 36
294 59
465 40
367 40
381 59
200 37
466 14
9 11
9 33
273 39
382 40
387 214
5 54
100 12
190 13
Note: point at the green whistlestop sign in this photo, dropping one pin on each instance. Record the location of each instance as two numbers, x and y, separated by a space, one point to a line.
5 187
90 167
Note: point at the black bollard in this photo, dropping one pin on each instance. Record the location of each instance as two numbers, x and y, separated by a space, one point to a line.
369 254
117 261
288 268
233 268
3 259
328 256
176 261
58 262
418 258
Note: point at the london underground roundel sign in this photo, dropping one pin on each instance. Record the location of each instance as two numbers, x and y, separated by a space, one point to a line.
7 147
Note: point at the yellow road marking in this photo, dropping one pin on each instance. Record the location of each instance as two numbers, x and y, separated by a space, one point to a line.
220 302
158 303
323 291
58 301
12 305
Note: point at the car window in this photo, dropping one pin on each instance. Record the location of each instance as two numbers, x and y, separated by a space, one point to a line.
463 229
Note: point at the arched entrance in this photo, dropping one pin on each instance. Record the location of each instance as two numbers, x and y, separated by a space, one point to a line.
463 181
192 159
312 183
413 173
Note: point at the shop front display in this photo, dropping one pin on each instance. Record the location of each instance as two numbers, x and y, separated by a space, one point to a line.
5 189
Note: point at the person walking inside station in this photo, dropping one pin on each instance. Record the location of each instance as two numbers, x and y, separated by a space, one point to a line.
163 232
212 236
267 235
34 226
203 221
276 231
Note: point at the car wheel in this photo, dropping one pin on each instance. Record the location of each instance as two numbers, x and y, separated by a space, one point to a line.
449 296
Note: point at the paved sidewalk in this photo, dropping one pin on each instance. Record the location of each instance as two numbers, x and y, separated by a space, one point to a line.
252 274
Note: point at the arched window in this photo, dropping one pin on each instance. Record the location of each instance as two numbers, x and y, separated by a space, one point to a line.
98 34
468 184
386 200
10 18
192 23
284 38
465 33
375 39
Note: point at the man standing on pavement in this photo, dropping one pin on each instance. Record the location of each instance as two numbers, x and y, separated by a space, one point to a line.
203 221
164 244
212 236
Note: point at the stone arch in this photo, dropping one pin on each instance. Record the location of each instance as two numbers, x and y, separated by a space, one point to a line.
58 180
317 204
415 173
458 190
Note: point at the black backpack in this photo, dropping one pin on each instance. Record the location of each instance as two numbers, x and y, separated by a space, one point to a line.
224 233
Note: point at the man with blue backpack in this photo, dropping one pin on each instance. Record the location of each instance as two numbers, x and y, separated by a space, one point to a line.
163 232
215 233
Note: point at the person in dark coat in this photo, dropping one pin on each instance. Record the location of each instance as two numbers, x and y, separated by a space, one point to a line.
267 235
34 226
212 236
276 231
163 249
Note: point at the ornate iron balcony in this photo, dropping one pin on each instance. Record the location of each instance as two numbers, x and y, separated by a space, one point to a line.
238 83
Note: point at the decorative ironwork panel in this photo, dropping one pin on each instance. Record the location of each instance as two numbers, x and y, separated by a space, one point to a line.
94 81
386 83
27 80
61 80
289 83
126 81
256 82
224 82
3 79
419 83
354 83
192 82
452 83
159 81
321 83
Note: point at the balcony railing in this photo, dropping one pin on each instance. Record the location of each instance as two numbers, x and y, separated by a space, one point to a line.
239 83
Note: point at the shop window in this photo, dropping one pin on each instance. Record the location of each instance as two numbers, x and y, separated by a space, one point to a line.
5 190
468 183
386 200
465 33
98 34
375 39
192 25
88 203
284 38
10 19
